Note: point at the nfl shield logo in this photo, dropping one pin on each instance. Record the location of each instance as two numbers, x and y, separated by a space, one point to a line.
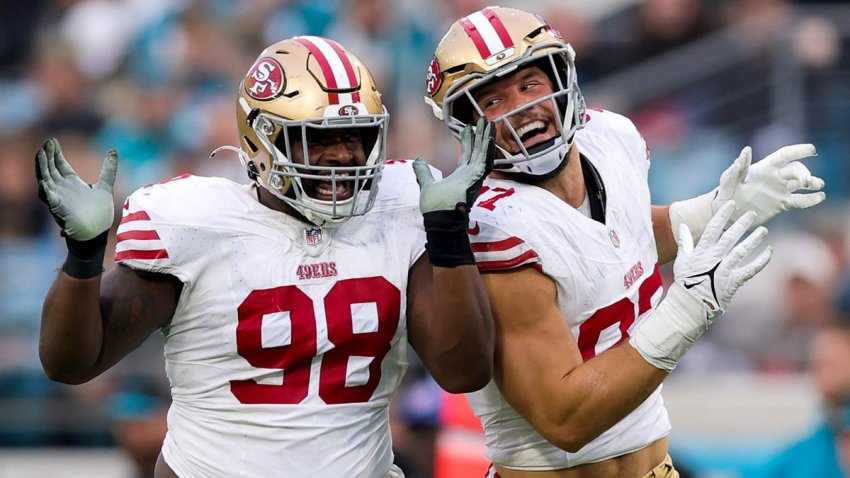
615 239
313 235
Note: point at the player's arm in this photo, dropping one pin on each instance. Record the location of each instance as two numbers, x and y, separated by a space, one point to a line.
662 228
88 321
538 364
88 325
539 368
450 324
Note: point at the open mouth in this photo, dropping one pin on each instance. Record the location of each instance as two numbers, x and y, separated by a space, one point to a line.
325 190
533 133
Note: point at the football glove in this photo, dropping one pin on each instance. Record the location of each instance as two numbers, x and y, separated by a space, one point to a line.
82 211
706 277
768 187
460 188
445 204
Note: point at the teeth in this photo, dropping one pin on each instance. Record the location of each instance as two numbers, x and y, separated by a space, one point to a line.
326 190
529 127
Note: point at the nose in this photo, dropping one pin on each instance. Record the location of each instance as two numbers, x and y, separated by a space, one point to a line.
514 100
337 153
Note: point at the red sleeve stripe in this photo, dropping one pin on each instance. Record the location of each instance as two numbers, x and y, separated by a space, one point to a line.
139 254
135 216
522 259
497 246
137 234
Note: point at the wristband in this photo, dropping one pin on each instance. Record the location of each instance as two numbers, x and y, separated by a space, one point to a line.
695 212
665 335
448 243
85 258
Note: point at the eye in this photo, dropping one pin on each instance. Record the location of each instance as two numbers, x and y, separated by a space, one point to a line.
529 85
350 136
489 102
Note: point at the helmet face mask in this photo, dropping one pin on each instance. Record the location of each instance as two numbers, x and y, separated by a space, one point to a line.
322 91
466 60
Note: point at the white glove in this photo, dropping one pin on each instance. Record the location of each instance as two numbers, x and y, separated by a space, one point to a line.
82 211
768 187
477 151
706 277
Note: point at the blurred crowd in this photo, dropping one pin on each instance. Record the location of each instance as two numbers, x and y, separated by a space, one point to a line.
156 79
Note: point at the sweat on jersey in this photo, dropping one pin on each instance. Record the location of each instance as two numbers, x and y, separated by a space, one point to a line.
288 340
606 278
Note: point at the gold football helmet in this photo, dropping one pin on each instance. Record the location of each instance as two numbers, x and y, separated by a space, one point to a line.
489 44
294 88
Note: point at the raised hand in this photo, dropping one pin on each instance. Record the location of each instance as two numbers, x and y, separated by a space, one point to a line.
460 188
83 211
706 277
771 185
714 269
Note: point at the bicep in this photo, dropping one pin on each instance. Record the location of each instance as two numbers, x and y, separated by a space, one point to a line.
133 305
420 290
535 348
665 240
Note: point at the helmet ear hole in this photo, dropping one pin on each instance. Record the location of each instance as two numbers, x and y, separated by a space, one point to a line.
253 147
253 174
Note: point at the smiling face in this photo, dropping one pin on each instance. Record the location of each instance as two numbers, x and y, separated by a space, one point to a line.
328 148
534 125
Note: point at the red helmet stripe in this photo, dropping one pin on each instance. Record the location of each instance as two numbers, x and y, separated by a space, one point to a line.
349 68
327 72
498 26
487 32
476 38
336 68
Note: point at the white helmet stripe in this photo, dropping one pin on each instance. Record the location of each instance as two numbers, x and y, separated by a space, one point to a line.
488 34
339 74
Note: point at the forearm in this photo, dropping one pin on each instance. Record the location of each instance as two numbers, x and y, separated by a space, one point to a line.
603 391
578 406
662 228
461 351
71 337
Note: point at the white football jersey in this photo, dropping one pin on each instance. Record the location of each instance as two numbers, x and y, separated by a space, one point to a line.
288 340
606 278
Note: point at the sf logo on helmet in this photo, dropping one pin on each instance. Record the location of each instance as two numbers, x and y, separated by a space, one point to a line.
265 79
349 110
433 80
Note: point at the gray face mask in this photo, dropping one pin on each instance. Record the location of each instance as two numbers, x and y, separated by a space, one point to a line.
543 159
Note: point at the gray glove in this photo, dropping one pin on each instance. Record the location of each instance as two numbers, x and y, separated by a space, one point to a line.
83 211
461 187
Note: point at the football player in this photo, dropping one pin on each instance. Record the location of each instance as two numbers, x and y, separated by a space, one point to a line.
569 247
287 305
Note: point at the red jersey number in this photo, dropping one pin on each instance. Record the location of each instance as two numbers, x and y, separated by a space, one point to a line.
622 313
295 358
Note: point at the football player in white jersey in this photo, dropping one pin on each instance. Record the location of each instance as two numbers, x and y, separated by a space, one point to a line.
288 304
570 245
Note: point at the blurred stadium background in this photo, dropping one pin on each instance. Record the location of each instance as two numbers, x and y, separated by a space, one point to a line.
156 80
